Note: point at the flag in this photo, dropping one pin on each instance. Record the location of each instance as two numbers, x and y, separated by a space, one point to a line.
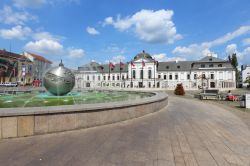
121 65
142 63
156 63
132 64
111 66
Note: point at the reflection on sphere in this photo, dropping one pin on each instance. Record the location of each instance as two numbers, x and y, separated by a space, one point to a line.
59 80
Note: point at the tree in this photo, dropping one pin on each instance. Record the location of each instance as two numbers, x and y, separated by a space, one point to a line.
234 61
179 90
247 81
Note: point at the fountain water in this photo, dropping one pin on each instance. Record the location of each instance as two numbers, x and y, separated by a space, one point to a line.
59 82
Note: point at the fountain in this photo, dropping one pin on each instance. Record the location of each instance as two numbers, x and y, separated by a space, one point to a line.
59 82
61 109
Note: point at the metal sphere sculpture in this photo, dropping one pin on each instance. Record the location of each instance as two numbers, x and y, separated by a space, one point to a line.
59 80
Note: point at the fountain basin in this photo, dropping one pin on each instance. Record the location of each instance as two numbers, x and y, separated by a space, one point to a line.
19 122
37 99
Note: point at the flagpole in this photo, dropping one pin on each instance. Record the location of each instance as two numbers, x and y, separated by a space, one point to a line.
120 74
109 72
154 73
131 74
142 72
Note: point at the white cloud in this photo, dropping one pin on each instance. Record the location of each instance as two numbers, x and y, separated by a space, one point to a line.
29 3
231 48
148 25
246 41
243 56
229 36
162 57
46 35
44 46
92 31
108 21
117 59
76 52
203 49
17 32
8 16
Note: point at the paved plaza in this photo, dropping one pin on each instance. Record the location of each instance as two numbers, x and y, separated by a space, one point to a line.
187 132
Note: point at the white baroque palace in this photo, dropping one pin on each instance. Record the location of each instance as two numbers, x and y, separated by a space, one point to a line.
144 72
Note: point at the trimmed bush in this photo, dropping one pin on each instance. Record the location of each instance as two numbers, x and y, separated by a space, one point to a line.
179 90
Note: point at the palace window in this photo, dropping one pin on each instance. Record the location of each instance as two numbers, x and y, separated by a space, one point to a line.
167 67
170 77
195 76
118 78
188 76
212 76
141 74
219 65
165 76
133 74
122 77
176 76
159 76
178 67
211 65
93 78
113 77
87 77
149 74
202 65
99 78
104 77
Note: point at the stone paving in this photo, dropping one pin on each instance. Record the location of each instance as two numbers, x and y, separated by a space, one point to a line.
187 132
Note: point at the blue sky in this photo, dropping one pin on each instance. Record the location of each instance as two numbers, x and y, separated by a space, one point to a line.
79 31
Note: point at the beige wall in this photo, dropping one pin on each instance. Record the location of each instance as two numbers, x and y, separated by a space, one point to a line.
27 125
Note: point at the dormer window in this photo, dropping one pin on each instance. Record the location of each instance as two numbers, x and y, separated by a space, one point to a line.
178 67
167 67
211 65
219 65
210 59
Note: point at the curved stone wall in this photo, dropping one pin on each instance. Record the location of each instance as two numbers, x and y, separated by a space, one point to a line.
20 122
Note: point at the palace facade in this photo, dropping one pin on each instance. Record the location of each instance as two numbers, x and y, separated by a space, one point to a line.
144 72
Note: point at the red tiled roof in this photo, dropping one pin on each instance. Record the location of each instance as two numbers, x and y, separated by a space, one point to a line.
12 55
40 58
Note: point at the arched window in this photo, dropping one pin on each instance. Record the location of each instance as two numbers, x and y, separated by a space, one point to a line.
133 74
141 74
149 74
